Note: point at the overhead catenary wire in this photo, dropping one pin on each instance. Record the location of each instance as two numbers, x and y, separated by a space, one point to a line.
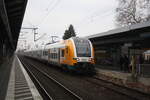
29 20
49 11
93 18
29 17
49 5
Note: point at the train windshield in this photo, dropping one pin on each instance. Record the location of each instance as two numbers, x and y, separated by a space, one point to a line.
82 47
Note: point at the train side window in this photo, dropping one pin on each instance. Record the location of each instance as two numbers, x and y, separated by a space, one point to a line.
54 55
62 53
50 55
44 53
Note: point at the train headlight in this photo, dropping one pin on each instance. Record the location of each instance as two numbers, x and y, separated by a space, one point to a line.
77 59
91 59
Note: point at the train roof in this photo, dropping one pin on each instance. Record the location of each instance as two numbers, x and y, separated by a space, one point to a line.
59 44
33 50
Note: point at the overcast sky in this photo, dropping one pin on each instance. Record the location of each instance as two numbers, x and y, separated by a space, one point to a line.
53 17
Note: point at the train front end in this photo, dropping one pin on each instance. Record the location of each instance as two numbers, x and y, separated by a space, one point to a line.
84 55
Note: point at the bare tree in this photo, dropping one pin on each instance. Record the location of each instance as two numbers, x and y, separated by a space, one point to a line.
132 11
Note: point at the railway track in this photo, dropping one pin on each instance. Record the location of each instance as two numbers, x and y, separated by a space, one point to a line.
40 87
91 81
50 88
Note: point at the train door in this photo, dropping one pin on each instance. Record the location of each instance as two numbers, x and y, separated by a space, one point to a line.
49 55
67 55
62 56
45 54
59 55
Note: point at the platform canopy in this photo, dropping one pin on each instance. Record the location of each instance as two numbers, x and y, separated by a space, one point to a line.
137 35
11 17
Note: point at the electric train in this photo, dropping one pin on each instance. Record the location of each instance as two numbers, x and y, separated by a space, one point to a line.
72 54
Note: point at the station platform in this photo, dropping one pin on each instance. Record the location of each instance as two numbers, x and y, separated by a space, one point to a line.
142 84
20 86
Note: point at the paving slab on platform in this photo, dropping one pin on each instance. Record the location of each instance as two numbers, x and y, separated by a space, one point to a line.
5 69
123 79
20 85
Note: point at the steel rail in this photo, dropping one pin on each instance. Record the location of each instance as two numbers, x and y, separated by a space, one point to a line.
72 93
25 65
